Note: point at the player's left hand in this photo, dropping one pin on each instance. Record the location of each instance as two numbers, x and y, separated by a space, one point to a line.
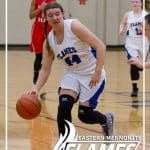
135 61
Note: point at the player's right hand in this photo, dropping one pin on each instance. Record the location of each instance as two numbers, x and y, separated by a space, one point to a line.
33 91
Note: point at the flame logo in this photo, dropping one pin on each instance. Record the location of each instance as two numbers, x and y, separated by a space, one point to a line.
69 136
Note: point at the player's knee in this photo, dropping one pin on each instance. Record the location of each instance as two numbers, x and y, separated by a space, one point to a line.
74 100
134 68
64 111
134 73
65 105
83 114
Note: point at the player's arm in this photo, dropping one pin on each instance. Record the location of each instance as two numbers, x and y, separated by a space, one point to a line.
135 61
138 63
123 25
47 60
85 35
35 11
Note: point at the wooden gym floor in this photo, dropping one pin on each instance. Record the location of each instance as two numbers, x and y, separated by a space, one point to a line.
41 133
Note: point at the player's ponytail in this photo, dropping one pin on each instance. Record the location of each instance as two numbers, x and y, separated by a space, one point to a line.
46 28
147 19
141 4
46 35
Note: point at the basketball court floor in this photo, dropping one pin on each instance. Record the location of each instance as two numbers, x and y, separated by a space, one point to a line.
41 133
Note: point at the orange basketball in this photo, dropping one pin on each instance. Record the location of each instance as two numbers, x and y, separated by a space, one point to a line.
28 106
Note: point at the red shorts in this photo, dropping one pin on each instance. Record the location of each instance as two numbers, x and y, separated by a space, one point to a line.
38 37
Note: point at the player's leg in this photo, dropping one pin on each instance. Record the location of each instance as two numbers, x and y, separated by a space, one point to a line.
66 100
37 66
90 116
67 97
134 71
86 112
135 75
38 38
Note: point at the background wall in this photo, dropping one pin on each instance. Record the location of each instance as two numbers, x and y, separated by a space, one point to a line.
2 21
101 16
19 24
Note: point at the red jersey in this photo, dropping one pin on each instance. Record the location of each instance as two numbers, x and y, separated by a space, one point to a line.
37 32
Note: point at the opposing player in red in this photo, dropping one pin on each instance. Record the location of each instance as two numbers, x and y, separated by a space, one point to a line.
37 33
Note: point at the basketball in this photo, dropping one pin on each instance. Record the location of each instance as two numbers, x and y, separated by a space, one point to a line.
28 106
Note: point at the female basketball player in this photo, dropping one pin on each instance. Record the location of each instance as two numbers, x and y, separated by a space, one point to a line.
84 76
136 61
131 25
37 33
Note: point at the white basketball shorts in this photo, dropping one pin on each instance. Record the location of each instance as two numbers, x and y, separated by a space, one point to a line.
135 48
80 84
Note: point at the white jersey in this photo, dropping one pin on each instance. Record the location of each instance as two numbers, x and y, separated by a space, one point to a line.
134 36
75 54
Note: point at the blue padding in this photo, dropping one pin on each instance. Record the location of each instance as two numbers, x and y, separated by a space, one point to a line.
93 100
128 55
93 52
